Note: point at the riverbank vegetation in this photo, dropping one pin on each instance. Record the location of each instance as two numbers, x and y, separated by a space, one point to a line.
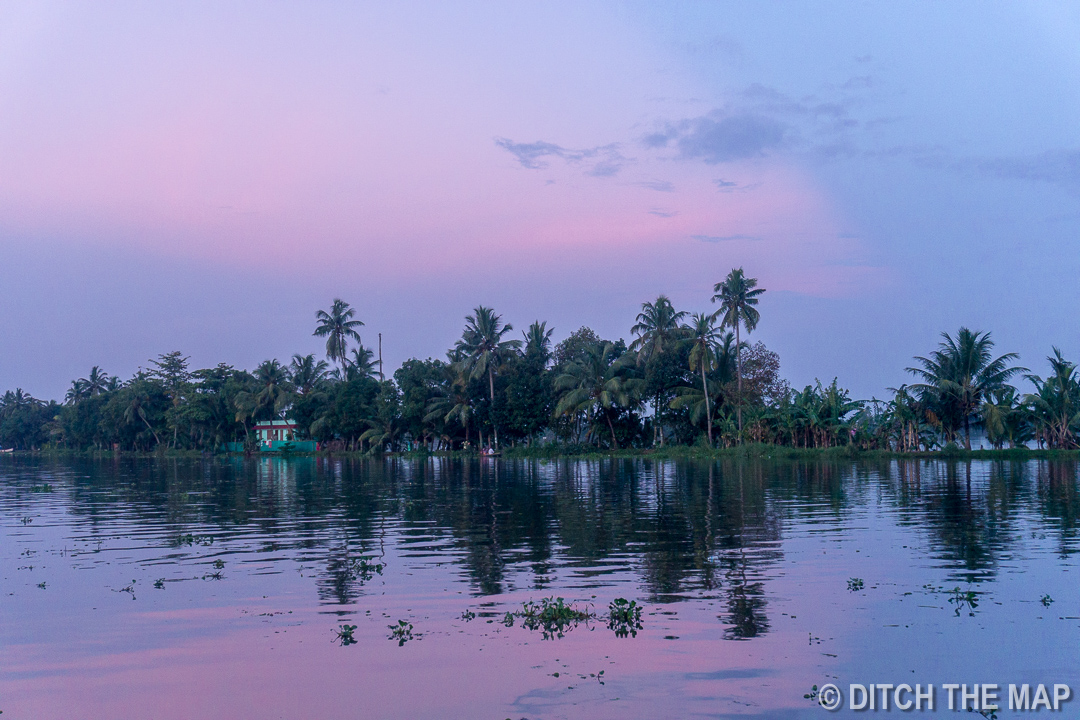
686 382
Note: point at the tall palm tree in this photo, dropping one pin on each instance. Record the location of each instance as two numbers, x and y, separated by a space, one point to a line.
658 330
738 295
704 339
485 350
307 373
960 374
337 326
594 385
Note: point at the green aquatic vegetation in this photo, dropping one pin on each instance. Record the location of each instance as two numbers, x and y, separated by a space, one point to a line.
27 520
552 616
402 632
219 564
344 635
1046 600
41 585
961 599
624 617
854 584
159 584
812 695
362 568
46 488
218 575
188 539
468 615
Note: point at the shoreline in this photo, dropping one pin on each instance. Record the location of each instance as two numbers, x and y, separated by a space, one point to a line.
747 452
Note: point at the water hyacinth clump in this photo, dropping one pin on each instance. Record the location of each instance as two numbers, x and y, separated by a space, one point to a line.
624 617
552 616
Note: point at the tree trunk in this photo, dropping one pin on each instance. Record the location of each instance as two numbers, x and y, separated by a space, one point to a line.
614 442
738 376
708 412
491 388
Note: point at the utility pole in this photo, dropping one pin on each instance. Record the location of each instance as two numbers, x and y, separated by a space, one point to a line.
381 376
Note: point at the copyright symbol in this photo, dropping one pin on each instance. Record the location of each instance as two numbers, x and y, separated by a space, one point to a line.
829 697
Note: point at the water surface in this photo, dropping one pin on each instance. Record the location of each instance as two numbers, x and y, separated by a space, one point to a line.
216 589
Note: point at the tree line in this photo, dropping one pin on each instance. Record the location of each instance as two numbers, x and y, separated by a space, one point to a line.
684 379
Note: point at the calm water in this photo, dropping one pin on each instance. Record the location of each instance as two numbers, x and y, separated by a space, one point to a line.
214 589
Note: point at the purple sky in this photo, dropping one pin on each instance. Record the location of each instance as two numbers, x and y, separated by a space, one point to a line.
203 177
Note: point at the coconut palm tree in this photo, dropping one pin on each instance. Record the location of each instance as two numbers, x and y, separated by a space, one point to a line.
484 349
337 326
704 339
594 385
738 295
1056 403
362 364
960 374
274 392
658 330
307 373
538 342
97 383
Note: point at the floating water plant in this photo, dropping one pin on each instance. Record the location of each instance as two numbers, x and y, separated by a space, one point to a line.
468 615
624 617
189 539
345 635
219 564
159 584
362 568
551 616
402 632
41 585
961 599
1046 600
855 584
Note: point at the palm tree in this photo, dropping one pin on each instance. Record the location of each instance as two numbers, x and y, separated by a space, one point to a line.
737 296
307 373
538 342
1056 403
960 374
658 329
337 326
76 392
594 385
362 364
704 339
274 393
485 350
97 383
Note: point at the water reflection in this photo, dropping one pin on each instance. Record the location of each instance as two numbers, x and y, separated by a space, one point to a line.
678 530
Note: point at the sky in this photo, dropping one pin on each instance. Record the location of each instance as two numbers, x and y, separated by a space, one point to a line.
203 177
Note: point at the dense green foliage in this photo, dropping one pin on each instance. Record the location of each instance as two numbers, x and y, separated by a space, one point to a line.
685 379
